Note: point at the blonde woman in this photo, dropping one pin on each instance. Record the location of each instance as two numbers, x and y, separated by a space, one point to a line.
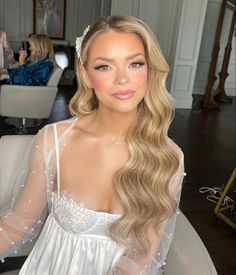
35 70
111 176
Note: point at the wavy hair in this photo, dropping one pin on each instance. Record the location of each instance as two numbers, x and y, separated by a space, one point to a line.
143 183
42 47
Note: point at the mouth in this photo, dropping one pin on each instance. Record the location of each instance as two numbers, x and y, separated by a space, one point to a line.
123 94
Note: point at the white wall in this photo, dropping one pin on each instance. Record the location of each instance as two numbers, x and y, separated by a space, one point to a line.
204 60
187 51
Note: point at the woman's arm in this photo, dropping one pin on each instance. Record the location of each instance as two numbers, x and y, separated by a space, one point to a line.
23 219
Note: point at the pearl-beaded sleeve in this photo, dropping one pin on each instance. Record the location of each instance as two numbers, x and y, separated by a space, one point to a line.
154 263
21 220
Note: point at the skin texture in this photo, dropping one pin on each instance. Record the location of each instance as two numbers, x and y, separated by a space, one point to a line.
117 67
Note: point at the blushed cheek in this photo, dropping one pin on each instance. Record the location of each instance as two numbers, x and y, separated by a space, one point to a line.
101 83
141 79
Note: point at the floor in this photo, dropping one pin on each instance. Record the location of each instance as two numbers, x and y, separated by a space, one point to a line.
207 139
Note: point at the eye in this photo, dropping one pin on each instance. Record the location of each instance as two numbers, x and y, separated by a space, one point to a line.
102 68
137 64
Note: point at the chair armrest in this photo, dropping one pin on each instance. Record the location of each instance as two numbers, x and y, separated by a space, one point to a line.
188 255
27 101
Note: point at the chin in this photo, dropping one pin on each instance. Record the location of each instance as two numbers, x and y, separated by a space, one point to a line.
126 109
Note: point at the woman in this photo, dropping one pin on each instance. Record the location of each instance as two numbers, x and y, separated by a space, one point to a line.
111 175
36 70
4 47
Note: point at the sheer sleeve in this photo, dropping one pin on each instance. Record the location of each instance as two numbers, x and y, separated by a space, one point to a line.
21 220
153 263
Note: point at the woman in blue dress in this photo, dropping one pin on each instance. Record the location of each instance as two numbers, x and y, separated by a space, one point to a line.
35 70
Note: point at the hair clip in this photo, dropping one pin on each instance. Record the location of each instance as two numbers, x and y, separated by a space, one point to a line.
78 43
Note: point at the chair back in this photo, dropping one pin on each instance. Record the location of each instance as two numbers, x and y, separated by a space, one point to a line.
30 101
55 76
12 151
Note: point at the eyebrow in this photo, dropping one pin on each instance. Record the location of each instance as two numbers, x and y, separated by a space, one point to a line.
107 59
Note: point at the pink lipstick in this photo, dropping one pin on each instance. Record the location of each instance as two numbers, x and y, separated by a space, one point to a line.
123 94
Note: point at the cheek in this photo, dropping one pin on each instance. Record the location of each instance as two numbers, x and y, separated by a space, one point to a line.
101 82
140 78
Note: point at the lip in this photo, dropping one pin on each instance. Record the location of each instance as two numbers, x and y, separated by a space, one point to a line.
123 94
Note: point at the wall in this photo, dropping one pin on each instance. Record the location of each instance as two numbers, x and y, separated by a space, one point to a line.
16 18
190 29
204 60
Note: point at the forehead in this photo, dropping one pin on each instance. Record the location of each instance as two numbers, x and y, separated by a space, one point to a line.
112 42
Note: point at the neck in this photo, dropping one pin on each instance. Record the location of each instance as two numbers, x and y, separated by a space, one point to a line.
113 126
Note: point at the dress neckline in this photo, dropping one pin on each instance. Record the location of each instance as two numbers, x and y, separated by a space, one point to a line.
69 197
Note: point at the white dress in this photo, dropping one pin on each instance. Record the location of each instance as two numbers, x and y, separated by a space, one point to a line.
74 239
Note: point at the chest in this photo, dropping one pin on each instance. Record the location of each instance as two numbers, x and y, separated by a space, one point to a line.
88 172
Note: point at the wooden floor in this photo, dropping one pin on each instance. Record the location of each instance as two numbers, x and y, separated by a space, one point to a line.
208 140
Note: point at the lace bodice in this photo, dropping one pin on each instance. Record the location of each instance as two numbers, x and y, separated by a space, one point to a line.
76 218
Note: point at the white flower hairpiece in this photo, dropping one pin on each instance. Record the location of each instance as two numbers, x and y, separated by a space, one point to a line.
79 41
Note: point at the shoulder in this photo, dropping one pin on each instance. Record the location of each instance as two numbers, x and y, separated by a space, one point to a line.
45 61
60 127
47 137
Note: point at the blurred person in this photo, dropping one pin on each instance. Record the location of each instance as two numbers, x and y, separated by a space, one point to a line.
5 48
37 68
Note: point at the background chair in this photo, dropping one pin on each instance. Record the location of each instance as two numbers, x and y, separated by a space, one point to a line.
33 102
187 256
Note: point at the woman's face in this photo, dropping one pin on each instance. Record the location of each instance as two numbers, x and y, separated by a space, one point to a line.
117 71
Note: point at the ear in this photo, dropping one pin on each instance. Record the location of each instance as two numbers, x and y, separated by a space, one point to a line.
85 76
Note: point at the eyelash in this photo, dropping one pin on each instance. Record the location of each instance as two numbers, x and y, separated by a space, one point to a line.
107 67
137 64
102 68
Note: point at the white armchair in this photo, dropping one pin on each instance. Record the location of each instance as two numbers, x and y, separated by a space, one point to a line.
24 102
187 255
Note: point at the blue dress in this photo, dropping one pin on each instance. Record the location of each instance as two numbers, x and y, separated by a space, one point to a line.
36 74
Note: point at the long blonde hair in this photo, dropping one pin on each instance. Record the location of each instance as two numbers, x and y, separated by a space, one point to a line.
143 183
42 47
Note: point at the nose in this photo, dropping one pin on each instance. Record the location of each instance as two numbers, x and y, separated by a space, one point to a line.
122 77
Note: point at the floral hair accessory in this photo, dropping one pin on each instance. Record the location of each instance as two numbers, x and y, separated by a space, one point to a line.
79 41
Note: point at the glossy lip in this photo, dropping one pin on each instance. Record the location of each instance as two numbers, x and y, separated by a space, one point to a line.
123 94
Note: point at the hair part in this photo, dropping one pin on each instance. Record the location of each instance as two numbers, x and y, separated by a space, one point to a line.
143 188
